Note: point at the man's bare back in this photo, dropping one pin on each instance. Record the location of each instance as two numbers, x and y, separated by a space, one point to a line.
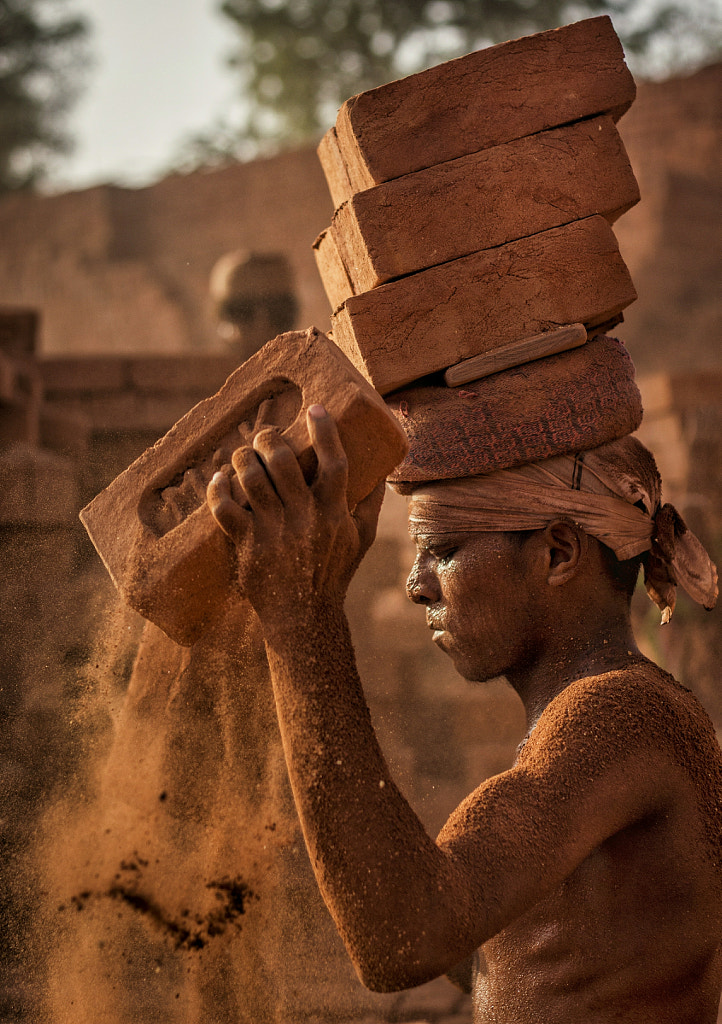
633 932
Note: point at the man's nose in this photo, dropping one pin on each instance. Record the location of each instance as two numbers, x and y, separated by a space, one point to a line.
421 586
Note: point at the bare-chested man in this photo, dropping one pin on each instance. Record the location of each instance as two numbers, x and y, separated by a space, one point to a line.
585 883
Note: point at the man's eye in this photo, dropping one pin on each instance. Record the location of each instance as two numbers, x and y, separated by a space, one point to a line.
444 554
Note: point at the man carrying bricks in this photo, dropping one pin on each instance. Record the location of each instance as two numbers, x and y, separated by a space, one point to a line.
583 884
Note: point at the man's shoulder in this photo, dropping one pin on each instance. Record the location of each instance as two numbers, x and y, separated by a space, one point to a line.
640 686
639 707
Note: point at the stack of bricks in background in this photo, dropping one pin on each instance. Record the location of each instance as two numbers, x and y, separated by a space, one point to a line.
474 204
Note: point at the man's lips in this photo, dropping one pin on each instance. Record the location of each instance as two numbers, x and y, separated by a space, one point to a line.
437 626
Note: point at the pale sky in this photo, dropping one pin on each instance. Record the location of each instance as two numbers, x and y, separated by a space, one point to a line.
159 75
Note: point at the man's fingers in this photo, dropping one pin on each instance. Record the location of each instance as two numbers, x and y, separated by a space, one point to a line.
282 467
332 473
237 492
254 480
229 515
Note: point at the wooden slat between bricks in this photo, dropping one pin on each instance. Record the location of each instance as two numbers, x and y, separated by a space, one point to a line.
475 102
404 330
518 352
477 202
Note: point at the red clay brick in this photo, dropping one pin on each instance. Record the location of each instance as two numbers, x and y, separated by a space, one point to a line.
64 432
331 267
88 374
423 323
19 329
475 202
334 168
120 411
152 526
8 378
486 98
39 488
204 373
85 374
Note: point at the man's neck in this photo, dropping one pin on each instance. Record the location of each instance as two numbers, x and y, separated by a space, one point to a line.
573 653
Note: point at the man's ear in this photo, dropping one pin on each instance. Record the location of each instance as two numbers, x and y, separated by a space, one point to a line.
566 548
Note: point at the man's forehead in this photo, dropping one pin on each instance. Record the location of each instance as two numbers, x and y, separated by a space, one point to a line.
425 520
428 522
426 536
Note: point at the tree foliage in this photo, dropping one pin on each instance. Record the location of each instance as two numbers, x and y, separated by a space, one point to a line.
300 59
41 55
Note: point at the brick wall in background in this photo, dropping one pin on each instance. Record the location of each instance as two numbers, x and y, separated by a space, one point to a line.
126 270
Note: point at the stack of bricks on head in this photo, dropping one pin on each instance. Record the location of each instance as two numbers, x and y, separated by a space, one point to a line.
472 271
471 264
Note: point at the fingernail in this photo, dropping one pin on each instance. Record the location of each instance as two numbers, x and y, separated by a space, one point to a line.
316 411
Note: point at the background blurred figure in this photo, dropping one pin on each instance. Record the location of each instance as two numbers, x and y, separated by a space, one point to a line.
254 299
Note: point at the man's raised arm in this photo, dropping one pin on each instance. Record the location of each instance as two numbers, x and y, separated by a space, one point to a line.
407 908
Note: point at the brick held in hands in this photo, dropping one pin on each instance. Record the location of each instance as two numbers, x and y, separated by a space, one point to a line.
418 325
479 201
486 98
152 526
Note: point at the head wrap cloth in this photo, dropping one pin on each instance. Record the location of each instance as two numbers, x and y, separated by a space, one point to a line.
613 492
487 456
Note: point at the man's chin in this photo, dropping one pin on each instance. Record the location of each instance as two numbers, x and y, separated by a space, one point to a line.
478 675
473 673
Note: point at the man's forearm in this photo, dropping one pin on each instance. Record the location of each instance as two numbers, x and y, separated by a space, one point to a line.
378 870
393 893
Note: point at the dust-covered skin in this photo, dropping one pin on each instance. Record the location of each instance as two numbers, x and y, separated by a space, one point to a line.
590 871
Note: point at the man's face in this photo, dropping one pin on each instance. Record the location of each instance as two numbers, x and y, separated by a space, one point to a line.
476 591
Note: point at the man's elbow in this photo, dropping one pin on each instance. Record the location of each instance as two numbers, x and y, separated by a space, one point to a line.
396 970
385 979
